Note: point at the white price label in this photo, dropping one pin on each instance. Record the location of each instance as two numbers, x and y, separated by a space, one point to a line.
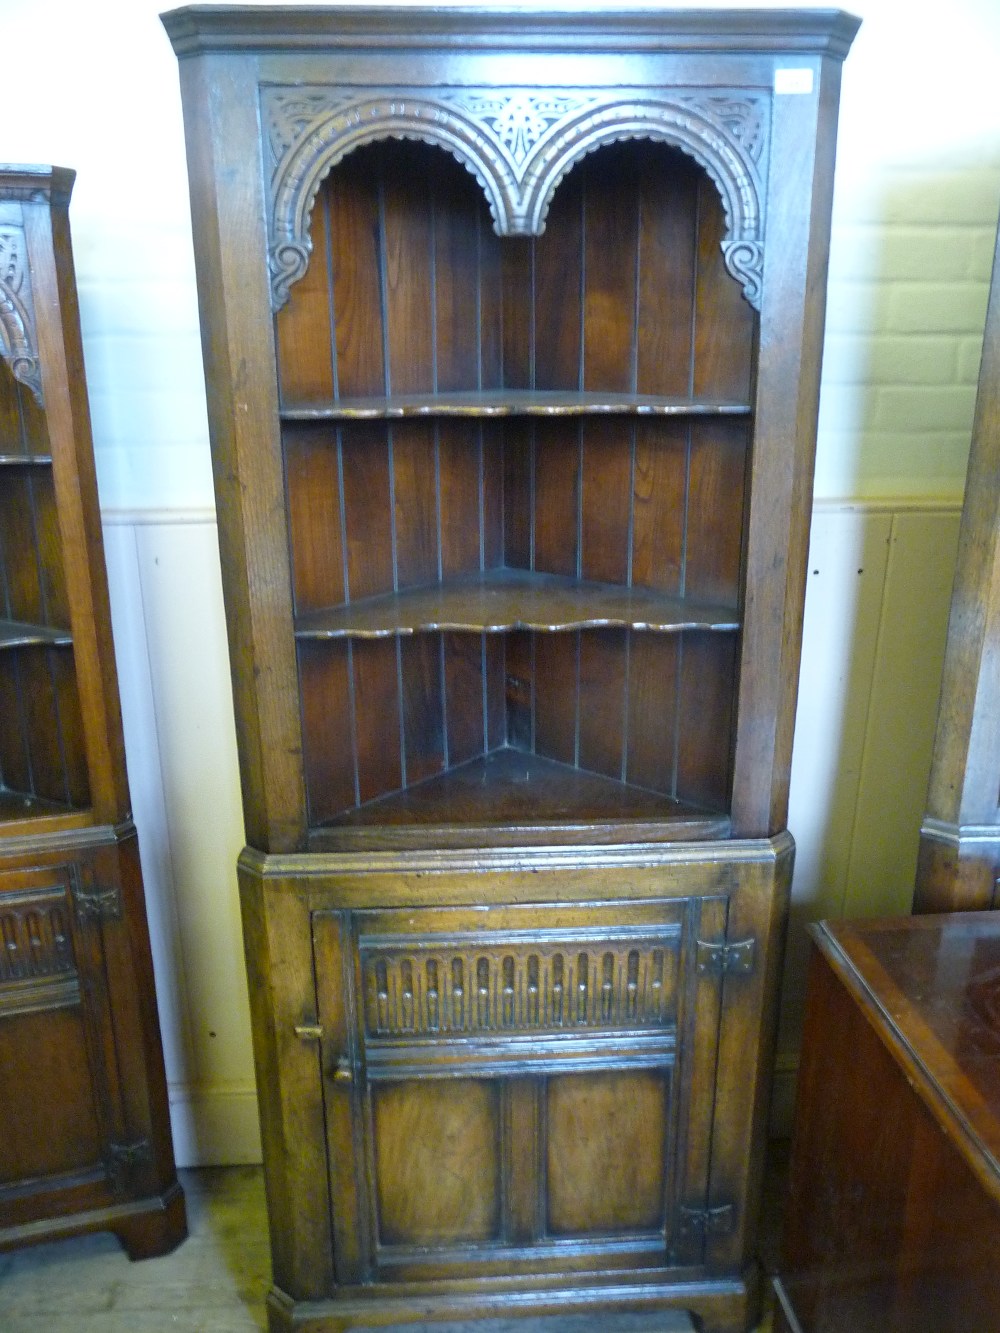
791 81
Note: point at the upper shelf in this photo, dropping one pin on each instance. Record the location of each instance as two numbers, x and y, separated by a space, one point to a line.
513 599
513 402
25 460
18 634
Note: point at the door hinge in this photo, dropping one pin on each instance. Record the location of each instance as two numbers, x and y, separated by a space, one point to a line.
93 903
725 959
124 1158
706 1222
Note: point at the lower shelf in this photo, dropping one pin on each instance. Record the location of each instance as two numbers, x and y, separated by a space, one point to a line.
21 807
513 796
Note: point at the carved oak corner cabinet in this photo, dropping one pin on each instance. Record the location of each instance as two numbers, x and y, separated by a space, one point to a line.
511 324
85 1135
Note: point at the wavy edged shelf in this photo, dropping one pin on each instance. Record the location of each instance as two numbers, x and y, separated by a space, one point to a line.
25 460
19 634
525 799
513 599
513 402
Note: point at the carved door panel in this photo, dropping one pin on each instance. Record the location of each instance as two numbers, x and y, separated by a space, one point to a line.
518 1089
62 1117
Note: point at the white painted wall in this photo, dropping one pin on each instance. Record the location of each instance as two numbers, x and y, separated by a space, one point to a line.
915 213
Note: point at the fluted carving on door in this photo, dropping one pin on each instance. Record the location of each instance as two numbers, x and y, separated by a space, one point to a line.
494 986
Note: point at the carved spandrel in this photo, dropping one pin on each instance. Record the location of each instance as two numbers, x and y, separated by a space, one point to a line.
18 343
36 938
519 143
516 987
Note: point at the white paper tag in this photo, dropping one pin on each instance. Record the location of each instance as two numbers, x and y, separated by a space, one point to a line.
790 81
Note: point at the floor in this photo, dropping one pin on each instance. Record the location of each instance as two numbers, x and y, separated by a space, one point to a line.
216 1281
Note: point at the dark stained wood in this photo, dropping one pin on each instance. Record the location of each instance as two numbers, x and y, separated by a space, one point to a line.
464 698
314 517
573 469
415 505
715 504
605 501
305 327
557 293
603 668
667 219
610 240
368 512
899 1116
652 723
705 710
377 721
958 866
460 461
355 235
325 676
556 516
511 599
86 1139
556 696
423 706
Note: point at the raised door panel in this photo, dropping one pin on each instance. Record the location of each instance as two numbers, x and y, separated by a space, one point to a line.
61 1097
532 1096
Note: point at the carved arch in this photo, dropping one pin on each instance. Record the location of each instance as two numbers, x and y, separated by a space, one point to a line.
17 324
519 144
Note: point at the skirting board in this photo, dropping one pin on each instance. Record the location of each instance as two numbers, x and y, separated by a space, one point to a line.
215 1126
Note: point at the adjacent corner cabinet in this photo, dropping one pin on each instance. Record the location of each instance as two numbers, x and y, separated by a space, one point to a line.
84 1130
512 326
958 867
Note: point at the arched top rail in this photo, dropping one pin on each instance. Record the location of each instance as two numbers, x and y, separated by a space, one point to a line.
519 143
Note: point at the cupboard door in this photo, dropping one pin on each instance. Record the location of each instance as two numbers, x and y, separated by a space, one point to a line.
531 1096
63 1116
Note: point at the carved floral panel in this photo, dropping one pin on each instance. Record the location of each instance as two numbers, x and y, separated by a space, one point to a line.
17 320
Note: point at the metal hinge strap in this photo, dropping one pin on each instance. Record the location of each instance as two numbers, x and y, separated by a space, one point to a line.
718 1221
97 904
726 959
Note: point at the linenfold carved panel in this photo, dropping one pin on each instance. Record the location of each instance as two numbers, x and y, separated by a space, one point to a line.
17 317
497 985
518 143
35 936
